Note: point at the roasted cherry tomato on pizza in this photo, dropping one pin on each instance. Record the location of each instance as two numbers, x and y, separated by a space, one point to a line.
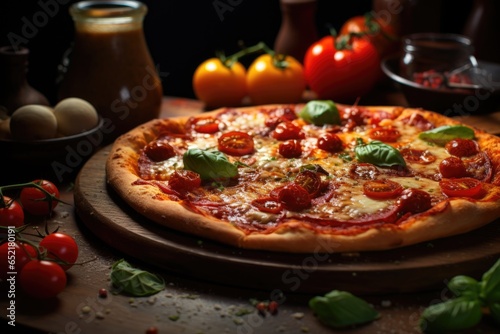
38 203
220 83
462 187
11 212
382 189
341 68
275 79
236 143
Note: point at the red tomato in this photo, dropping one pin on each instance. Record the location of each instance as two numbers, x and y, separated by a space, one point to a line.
382 189
452 167
413 155
274 80
36 202
42 279
11 213
464 187
15 255
219 85
184 180
462 147
159 151
205 124
310 181
341 75
330 142
61 247
293 197
385 134
267 204
287 130
236 143
290 148
380 33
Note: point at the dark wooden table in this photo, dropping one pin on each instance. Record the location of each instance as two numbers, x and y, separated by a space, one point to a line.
193 304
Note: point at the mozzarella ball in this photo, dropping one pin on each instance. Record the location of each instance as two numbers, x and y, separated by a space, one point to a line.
33 122
75 116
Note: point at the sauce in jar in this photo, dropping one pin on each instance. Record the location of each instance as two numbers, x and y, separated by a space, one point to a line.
110 65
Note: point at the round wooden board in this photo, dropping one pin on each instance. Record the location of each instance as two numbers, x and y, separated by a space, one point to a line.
409 269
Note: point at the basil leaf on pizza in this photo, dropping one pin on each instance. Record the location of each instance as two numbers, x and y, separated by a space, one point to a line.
320 113
210 164
378 154
443 134
340 309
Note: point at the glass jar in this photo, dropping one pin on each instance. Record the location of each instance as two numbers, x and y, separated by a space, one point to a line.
110 65
437 55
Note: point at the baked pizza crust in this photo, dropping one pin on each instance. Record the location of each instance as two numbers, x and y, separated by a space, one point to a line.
448 218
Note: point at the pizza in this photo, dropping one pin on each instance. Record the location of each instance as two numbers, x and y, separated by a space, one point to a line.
312 177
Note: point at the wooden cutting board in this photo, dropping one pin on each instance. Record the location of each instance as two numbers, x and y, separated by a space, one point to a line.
415 268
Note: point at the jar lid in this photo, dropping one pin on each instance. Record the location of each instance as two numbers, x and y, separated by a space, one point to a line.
108 12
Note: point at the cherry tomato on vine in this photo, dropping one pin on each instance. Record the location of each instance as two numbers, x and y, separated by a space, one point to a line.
275 80
341 74
42 279
218 84
35 202
61 247
15 255
12 214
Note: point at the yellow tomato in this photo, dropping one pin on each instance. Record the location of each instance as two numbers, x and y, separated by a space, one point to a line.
268 83
218 85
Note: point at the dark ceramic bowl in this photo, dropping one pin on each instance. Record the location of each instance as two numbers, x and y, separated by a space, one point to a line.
449 101
58 158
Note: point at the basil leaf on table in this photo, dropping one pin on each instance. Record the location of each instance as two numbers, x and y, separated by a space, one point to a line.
135 282
320 112
462 285
490 283
379 154
340 309
443 134
210 164
453 315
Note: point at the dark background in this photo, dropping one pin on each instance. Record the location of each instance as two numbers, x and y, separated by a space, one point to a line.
181 34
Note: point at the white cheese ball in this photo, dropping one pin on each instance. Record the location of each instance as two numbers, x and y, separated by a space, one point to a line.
33 122
75 116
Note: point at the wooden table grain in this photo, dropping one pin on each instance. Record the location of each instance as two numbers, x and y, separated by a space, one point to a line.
192 304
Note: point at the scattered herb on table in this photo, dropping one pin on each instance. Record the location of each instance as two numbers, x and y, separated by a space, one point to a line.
135 282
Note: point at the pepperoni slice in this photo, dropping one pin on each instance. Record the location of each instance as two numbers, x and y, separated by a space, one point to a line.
461 147
184 180
452 167
267 204
418 121
414 201
385 134
464 187
382 189
287 130
236 143
159 151
413 155
290 149
479 166
363 171
330 142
